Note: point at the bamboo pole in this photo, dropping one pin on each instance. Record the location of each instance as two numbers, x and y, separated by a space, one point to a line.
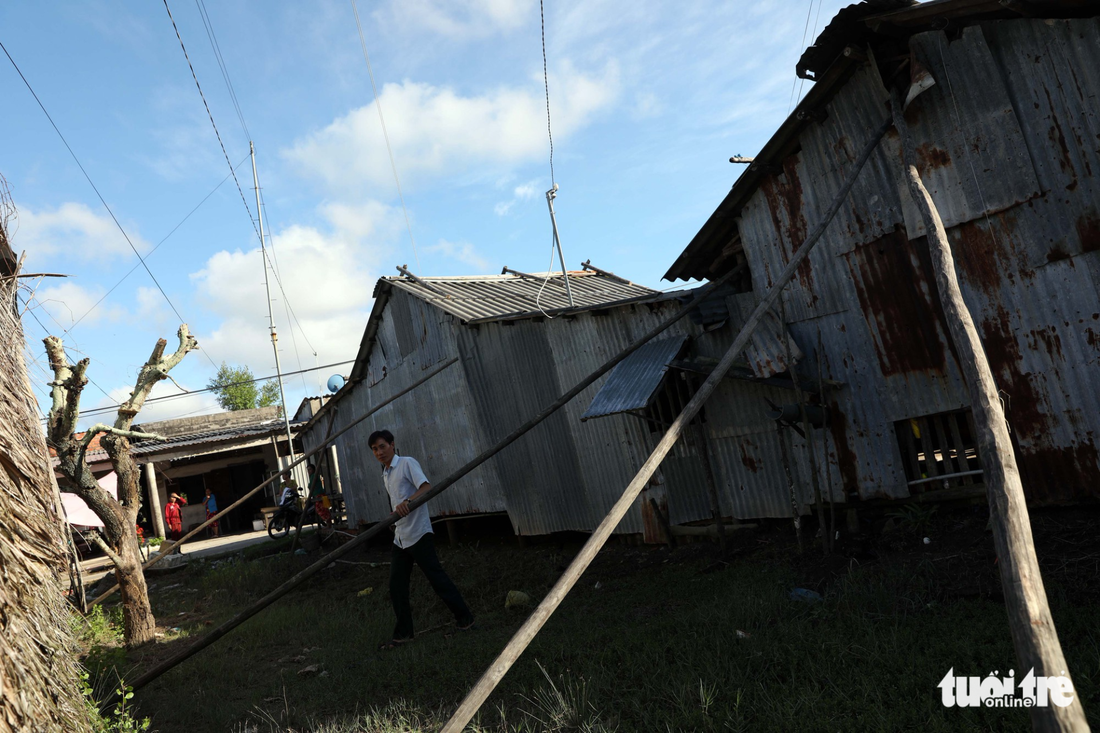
165 551
1033 634
814 482
366 536
712 485
572 574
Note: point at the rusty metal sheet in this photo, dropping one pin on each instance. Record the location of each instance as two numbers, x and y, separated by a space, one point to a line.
767 349
970 150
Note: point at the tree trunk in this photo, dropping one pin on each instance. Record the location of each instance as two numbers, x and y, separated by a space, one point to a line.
137 614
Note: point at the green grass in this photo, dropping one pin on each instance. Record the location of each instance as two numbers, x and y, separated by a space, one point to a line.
655 647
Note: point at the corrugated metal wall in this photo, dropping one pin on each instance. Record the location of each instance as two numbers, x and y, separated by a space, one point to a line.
1007 141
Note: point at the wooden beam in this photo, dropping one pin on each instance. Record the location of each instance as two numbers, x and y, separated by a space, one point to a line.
1033 632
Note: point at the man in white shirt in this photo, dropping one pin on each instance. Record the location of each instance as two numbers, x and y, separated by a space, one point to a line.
414 541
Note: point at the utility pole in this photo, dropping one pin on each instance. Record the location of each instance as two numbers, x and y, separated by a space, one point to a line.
270 316
550 196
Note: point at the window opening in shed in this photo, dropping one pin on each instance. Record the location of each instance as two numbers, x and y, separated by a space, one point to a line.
670 399
939 451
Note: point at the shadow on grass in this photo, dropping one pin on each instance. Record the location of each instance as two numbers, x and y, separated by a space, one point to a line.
648 641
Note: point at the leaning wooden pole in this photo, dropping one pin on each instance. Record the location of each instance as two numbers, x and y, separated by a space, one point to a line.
378 528
166 550
1033 634
569 578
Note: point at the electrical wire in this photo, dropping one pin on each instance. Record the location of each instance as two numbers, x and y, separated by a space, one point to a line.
205 15
801 48
211 116
550 135
813 36
385 134
154 249
94 188
47 332
182 395
546 85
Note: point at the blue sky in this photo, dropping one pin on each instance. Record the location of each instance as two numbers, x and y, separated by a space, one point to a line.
648 102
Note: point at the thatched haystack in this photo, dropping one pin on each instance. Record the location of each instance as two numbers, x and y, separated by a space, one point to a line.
39 672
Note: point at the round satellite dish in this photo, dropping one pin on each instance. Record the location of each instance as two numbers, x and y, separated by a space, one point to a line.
335 382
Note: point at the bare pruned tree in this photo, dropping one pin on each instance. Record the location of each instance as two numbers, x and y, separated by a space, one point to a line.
119 516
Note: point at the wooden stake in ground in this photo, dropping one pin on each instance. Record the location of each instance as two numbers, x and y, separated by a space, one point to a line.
572 574
1033 632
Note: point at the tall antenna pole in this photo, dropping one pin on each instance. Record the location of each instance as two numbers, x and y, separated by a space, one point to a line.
550 196
270 316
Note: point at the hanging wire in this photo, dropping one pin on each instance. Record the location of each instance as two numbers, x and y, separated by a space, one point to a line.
97 193
546 85
211 116
801 48
385 134
154 249
205 15
550 136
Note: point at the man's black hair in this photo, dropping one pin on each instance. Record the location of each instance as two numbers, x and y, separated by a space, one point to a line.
385 435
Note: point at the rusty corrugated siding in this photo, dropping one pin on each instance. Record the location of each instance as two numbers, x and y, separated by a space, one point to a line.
1008 145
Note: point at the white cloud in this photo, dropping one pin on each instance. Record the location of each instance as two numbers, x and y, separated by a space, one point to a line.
328 275
203 403
463 252
72 231
462 19
436 132
524 192
67 302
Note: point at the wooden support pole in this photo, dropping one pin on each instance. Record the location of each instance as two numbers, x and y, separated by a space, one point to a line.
1033 634
796 517
712 484
826 546
569 578
165 551
378 528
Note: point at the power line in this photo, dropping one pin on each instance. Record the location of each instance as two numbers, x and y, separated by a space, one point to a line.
209 26
385 135
211 116
47 332
278 279
801 48
94 188
154 249
182 395
205 15
546 84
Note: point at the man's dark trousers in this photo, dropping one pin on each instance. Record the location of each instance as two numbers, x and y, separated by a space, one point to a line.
423 554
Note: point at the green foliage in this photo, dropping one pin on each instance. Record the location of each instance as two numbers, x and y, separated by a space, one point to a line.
269 394
237 389
916 518
119 720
